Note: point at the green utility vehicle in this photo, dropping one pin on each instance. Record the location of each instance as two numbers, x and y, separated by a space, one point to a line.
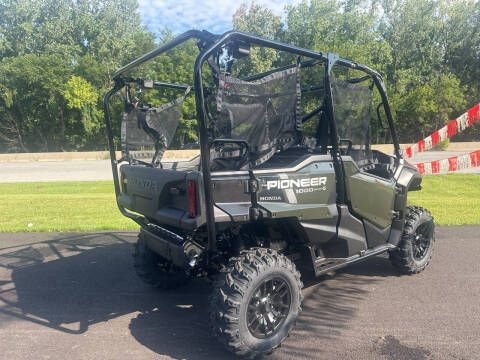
286 185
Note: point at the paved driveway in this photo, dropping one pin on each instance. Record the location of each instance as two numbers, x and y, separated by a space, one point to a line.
87 170
75 296
73 170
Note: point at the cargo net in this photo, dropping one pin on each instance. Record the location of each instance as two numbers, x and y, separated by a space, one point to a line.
148 131
353 107
264 112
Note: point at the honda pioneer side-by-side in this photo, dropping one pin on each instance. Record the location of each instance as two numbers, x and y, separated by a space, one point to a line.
286 186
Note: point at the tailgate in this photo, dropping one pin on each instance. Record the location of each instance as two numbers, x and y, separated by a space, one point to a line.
160 194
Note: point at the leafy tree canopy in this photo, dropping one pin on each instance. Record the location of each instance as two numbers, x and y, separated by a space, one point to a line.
57 58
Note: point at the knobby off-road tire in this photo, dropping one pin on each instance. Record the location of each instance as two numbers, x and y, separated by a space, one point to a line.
256 302
416 246
155 270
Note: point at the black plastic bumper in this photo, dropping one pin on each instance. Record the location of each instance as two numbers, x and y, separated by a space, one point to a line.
165 243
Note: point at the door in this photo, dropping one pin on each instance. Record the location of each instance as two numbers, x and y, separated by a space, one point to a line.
371 197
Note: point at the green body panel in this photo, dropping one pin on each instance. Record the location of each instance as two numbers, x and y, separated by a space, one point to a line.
304 193
370 196
300 211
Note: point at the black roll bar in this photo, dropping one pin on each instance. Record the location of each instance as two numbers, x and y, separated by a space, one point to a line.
211 43
378 80
156 84
113 158
191 34
119 82
203 118
303 64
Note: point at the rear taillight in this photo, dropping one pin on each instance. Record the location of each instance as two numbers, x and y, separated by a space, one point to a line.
192 198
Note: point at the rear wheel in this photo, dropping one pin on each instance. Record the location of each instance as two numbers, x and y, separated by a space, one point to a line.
154 269
416 246
256 302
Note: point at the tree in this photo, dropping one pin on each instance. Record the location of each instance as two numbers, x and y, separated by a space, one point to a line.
37 107
259 21
427 50
343 27
462 43
427 107
424 91
57 55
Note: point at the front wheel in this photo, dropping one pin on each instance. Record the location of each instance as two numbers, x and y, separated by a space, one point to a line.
256 302
416 246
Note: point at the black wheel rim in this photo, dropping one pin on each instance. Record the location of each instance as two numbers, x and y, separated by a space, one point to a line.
422 241
268 307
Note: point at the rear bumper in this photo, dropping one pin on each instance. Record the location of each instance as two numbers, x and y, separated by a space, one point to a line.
166 243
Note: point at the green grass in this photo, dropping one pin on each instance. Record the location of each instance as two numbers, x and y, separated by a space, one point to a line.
90 206
453 199
60 206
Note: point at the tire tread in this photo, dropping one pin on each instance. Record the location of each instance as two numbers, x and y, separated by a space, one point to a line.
230 289
401 257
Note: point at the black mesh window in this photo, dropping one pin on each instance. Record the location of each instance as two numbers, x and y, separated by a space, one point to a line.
148 131
262 112
313 93
353 106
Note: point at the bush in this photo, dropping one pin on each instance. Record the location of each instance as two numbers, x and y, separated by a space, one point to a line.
442 145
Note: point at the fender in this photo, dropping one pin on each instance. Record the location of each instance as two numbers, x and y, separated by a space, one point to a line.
407 179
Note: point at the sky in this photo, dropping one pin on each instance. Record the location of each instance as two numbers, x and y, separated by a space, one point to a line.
212 15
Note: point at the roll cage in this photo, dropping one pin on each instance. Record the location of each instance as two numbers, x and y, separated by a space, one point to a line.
208 45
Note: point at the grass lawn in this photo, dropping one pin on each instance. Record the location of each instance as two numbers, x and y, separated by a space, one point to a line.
453 199
60 206
90 206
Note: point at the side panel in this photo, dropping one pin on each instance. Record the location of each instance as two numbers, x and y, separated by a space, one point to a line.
231 197
371 197
375 235
305 192
351 232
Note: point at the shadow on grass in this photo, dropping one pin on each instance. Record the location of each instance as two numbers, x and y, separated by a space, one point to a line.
72 283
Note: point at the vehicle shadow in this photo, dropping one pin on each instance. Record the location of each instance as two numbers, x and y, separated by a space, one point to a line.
67 284
71 283
330 304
